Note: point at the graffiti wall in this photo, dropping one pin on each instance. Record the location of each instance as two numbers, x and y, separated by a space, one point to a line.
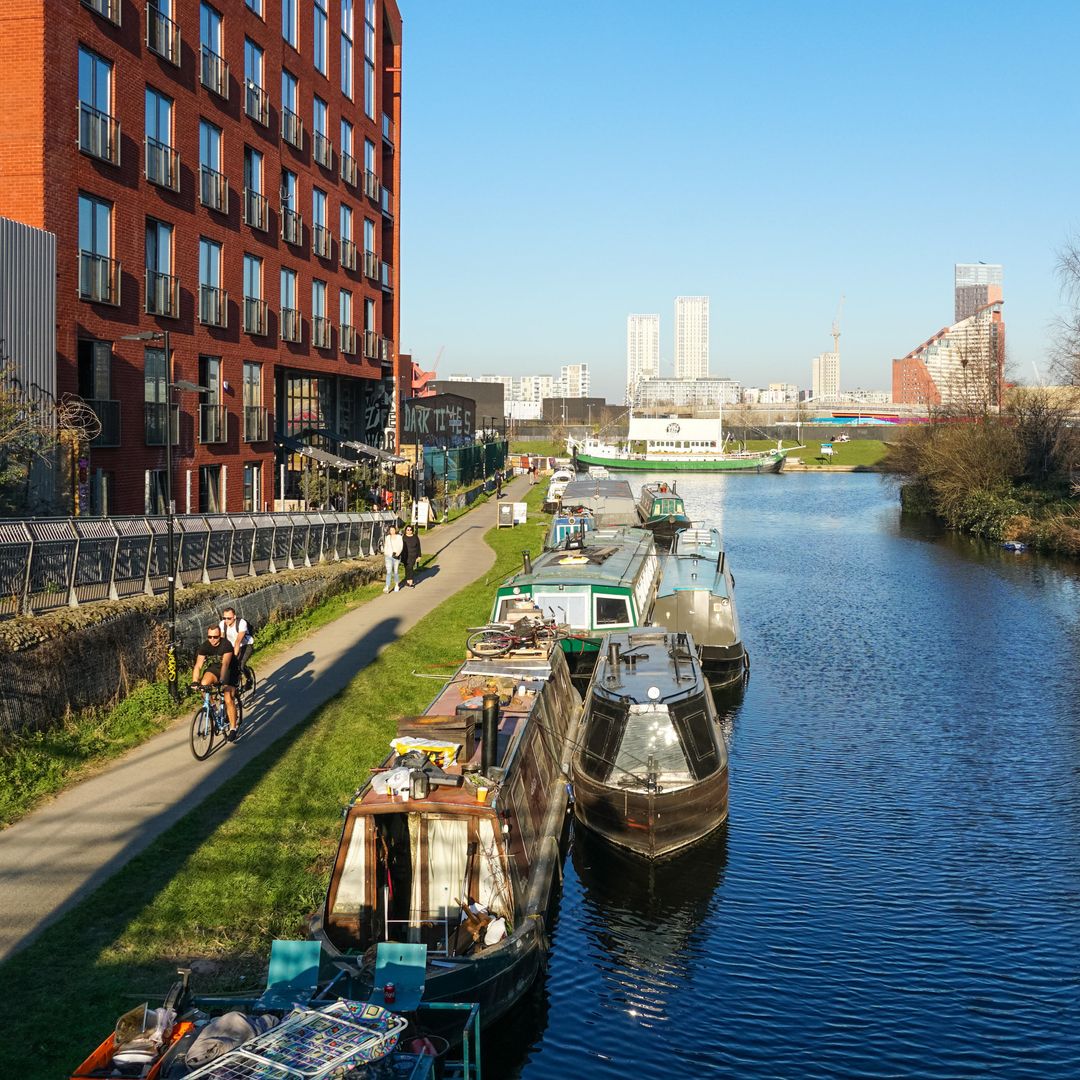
442 420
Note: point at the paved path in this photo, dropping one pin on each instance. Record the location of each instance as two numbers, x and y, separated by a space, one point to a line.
61 852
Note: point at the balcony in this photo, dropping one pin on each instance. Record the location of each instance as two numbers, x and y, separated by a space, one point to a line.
255 316
371 185
214 73
162 35
154 423
292 227
257 103
256 210
162 165
99 278
320 241
347 338
162 294
371 345
322 332
213 306
107 9
322 150
213 424
213 190
348 254
99 134
386 278
292 325
108 414
371 265
386 350
256 423
386 204
388 131
348 169
292 129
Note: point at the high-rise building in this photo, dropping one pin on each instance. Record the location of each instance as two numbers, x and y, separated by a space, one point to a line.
691 337
642 350
221 178
975 285
574 381
825 377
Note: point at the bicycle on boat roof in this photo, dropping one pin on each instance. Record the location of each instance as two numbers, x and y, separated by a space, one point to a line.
497 639
210 724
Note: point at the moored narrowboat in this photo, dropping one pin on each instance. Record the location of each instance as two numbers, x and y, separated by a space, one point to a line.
650 772
609 500
661 510
559 479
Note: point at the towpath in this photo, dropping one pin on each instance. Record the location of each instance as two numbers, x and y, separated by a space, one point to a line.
65 849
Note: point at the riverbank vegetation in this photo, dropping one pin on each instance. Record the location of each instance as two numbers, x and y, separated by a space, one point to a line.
249 864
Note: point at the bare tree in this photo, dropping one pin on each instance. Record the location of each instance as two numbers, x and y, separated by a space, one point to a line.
1066 354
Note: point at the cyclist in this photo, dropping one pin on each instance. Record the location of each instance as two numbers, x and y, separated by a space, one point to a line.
238 634
213 666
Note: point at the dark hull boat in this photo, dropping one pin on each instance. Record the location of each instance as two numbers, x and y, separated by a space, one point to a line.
650 772
662 512
485 833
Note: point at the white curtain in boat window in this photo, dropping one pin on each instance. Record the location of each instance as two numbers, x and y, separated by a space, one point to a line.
493 890
350 891
447 850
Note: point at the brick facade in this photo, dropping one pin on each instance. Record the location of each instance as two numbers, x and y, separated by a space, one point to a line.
43 172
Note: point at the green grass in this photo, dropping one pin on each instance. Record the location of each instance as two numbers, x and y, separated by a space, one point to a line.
857 452
543 447
246 866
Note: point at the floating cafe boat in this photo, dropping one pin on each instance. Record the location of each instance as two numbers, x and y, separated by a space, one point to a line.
650 772
662 512
697 596
670 444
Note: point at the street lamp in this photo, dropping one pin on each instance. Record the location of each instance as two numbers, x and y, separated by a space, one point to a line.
170 386
446 484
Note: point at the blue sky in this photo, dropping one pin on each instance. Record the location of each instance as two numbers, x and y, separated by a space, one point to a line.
566 164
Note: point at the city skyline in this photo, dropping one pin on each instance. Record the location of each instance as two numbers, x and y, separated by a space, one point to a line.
802 173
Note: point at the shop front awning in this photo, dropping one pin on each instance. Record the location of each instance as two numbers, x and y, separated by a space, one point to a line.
371 451
323 457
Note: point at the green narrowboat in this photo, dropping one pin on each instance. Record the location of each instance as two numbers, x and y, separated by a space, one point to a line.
661 510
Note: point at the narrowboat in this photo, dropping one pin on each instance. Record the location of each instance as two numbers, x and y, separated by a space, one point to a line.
559 479
566 524
597 581
697 597
661 510
610 500
650 773
462 855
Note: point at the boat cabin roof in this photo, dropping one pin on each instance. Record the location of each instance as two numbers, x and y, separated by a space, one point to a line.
610 499
653 666
609 556
705 543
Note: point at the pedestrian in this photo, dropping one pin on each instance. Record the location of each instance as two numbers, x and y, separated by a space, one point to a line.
498 483
392 548
411 554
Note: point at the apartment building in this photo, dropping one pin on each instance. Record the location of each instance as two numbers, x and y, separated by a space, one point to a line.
642 351
221 178
573 381
825 377
974 286
691 337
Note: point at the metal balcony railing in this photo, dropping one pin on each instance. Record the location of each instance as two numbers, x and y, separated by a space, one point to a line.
348 254
107 9
256 423
214 73
154 423
371 345
371 265
162 164
348 169
99 134
320 241
347 337
99 278
162 35
256 210
292 326
371 185
257 103
322 332
386 350
213 189
292 129
213 306
108 414
255 311
386 203
292 227
213 424
162 294
388 131
386 279
322 149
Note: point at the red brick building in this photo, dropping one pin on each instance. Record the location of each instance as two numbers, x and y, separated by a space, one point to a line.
221 176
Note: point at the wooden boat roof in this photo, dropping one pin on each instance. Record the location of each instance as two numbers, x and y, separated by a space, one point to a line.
611 556
665 668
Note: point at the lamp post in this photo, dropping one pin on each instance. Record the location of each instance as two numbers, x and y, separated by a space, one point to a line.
446 484
163 337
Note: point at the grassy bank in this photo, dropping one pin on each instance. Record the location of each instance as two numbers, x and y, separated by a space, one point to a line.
246 866
543 447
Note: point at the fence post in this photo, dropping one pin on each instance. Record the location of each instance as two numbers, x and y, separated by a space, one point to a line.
24 605
147 587
113 593
73 600
206 553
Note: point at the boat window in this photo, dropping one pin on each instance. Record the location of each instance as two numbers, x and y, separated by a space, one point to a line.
349 898
505 603
571 608
650 744
447 852
700 739
612 611
601 738
494 888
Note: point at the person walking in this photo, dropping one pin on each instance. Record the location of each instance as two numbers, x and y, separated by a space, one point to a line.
498 483
411 554
391 549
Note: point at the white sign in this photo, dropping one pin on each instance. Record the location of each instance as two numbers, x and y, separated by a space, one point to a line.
521 513
421 513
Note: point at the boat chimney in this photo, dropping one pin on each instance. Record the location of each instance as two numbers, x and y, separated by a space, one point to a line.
489 739
526 561
613 657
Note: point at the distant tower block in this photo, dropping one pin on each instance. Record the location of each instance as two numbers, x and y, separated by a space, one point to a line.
975 286
642 351
691 337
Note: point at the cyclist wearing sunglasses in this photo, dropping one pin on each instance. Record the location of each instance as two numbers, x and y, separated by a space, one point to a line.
214 665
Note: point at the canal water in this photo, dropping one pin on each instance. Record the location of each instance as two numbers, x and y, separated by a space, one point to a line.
897 891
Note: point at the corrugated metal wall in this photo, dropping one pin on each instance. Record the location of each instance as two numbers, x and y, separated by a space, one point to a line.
28 306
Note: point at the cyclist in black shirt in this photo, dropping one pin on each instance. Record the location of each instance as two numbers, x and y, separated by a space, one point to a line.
213 665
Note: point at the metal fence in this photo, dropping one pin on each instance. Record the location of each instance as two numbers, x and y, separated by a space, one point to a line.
48 563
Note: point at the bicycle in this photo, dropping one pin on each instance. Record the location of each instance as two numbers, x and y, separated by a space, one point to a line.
497 639
211 720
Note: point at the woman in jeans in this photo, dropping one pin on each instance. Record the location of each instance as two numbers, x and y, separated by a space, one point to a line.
412 554
391 549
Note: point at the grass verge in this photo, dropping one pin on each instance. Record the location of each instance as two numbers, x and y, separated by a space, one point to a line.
864 453
244 867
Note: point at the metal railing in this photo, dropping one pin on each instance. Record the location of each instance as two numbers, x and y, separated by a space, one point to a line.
213 306
322 332
162 294
371 344
386 203
162 164
347 336
99 278
214 72
255 316
107 9
213 189
213 424
49 563
99 134
388 131
322 150
162 35
292 227
348 169
348 254
108 414
371 264
257 103
292 326
292 129
386 279
154 423
256 210
372 187
320 241
256 423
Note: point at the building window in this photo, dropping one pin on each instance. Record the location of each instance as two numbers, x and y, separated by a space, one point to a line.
320 324
214 72
254 304
347 48
255 5
292 127
162 288
321 147
255 417
369 58
156 492
99 274
346 138
252 487
211 410
318 40
210 501
291 327
99 133
212 299
256 211
346 223
288 288
156 397
162 161
288 22
95 388
320 234
213 187
256 102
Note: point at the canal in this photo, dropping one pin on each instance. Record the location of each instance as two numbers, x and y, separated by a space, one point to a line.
897 892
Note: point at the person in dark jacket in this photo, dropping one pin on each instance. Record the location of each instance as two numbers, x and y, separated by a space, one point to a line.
410 555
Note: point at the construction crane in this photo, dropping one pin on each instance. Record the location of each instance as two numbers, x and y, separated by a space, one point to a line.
836 326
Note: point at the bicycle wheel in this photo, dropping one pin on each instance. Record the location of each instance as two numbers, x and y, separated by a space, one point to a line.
250 683
489 643
239 713
202 734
